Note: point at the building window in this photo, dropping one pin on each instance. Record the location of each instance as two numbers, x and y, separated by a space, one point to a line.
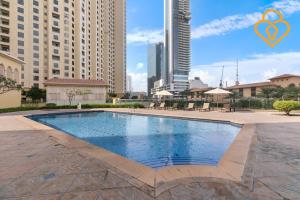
20 51
21 2
35 26
35 10
241 92
253 92
35 33
20 43
21 26
21 18
20 10
36 3
36 18
36 63
20 34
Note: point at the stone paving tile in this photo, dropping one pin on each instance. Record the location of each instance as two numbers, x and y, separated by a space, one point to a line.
85 195
97 181
12 172
206 190
262 192
271 169
286 186
39 197
44 185
93 166
125 193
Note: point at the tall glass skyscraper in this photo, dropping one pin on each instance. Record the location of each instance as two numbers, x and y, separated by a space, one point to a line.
177 44
156 70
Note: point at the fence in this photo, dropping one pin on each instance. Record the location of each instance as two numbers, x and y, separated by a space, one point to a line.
244 103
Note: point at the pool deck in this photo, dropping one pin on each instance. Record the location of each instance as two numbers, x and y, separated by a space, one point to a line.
38 162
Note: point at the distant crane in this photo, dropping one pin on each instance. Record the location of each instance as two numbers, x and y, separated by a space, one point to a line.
237 82
222 76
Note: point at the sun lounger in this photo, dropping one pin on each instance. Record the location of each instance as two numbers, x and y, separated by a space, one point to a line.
206 107
151 106
162 106
226 108
175 106
191 106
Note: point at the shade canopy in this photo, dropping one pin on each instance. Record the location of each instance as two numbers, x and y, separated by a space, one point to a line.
217 91
164 93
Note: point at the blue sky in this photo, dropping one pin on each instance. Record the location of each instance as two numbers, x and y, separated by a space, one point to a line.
222 32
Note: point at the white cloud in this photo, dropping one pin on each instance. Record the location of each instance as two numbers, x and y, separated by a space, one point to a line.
225 25
140 65
287 6
269 73
255 68
145 36
204 75
237 22
139 81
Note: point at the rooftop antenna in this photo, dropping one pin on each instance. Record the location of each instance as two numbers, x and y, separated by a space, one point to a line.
221 81
237 82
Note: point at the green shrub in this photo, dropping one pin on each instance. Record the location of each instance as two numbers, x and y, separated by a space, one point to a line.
50 105
286 106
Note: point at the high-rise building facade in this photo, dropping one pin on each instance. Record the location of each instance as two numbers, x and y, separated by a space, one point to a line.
177 44
129 84
156 70
80 39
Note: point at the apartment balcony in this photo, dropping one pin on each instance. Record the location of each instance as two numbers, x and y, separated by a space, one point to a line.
4 47
4 12
4 4
55 44
4 24
56 72
4 39
56 30
4 31
55 15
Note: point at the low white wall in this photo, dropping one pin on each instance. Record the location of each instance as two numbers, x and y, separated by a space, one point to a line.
58 95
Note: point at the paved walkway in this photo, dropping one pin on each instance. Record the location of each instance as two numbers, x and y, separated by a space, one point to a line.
33 165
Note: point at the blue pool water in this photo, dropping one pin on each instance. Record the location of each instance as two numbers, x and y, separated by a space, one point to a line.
152 141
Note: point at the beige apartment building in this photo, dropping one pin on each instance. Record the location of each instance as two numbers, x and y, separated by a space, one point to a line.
67 39
253 89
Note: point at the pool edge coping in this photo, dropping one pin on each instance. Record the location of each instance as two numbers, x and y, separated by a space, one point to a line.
230 167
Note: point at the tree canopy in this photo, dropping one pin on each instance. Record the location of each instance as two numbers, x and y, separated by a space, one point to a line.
36 93
7 85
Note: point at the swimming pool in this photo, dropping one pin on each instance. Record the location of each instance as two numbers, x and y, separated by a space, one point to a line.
150 140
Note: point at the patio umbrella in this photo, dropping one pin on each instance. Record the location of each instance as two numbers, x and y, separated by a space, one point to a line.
164 93
218 91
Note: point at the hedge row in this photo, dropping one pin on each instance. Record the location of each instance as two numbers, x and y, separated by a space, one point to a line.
84 106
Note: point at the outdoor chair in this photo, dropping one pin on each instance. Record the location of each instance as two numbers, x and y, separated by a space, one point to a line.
162 106
151 106
175 106
191 106
206 107
226 108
